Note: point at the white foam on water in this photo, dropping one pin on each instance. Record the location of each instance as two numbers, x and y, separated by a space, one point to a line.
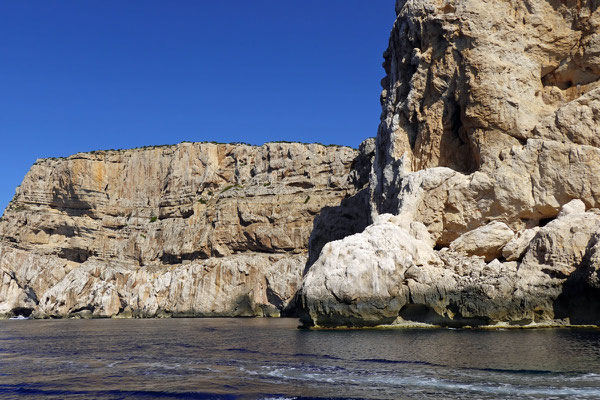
279 398
585 377
500 389
420 382
165 366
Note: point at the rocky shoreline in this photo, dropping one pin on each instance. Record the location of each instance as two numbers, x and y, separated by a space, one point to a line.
477 204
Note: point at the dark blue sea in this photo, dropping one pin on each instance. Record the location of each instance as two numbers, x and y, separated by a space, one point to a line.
272 359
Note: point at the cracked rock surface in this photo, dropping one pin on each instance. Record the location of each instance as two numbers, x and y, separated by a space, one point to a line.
191 229
489 128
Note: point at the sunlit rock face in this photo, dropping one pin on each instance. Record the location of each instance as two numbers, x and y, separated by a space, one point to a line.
490 126
190 229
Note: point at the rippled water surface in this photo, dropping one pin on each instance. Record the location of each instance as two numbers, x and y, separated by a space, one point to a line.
270 358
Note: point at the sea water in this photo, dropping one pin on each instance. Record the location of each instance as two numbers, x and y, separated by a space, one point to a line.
272 359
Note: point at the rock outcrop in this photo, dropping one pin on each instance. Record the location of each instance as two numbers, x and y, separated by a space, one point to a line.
478 202
490 127
191 229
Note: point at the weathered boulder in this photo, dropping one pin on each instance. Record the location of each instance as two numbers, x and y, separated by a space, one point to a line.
386 275
573 207
359 280
486 241
516 247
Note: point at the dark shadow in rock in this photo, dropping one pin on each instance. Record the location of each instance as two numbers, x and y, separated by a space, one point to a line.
63 230
579 301
244 306
580 297
545 221
173 259
21 311
352 215
75 254
360 169
274 299
293 309
335 223
67 200
425 314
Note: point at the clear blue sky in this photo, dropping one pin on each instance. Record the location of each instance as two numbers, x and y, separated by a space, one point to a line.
88 75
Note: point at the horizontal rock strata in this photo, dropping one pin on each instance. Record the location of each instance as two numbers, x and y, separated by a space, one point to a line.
190 229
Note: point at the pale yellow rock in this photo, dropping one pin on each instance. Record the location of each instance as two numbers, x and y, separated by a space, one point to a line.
486 241
559 247
189 229
516 247
469 85
488 138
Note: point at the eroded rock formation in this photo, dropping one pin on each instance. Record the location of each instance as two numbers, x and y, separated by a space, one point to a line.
490 127
478 203
190 229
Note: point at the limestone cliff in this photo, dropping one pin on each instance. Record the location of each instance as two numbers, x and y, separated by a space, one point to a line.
190 229
478 203
484 193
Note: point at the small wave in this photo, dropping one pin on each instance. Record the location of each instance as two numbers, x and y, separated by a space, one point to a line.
279 398
503 390
516 371
175 366
308 398
35 391
323 356
242 350
386 361
420 382
583 377
429 364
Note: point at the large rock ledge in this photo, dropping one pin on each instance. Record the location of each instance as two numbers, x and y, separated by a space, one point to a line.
391 274
195 229
241 285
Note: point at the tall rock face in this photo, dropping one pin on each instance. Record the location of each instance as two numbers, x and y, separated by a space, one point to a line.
484 192
190 229
503 95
